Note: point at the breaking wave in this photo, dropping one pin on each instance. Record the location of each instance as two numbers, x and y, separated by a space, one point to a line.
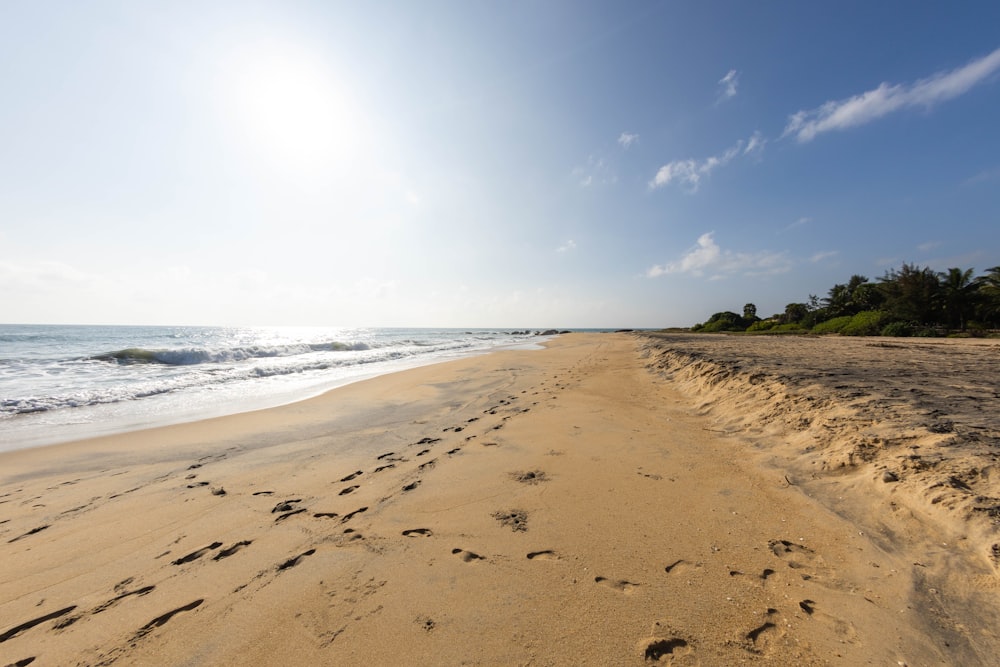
192 356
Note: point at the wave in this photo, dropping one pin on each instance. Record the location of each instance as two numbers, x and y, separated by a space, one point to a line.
194 379
192 355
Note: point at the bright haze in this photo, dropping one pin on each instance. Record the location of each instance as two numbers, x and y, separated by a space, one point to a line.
524 163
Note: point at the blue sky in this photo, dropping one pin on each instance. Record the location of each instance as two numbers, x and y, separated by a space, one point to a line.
508 164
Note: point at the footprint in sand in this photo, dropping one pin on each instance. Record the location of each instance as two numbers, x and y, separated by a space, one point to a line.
759 639
15 631
33 531
351 515
352 476
806 562
626 587
104 606
195 555
660 651
529 477
282 517
516 520
467 556
417 532
285 505
410 487
160 620
295 560
350 489
680 565
548 554
229 551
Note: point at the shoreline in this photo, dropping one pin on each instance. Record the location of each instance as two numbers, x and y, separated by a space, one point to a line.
563 506
137 420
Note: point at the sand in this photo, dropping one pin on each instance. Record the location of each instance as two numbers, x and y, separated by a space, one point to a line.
613 499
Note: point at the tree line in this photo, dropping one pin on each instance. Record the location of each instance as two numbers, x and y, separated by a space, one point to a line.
910 301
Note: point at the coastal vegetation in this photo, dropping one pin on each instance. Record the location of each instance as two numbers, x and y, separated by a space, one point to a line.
909 301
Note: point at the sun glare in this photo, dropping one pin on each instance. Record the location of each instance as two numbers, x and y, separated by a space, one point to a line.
292 109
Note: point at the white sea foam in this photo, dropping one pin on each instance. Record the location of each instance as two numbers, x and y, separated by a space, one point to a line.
59 383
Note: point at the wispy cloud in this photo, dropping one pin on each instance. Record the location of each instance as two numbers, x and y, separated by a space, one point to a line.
804 220
985 176
596 171
928 246
626 139
566 247
707 256
728 85
755 144
824 254
690 172
885 99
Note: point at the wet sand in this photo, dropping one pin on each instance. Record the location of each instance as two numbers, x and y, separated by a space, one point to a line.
613 499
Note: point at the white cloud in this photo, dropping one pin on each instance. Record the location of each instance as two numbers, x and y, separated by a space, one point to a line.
566 247
690 172
755 144
824 254
928 246
728 85
706 255
885 99
804 220
626 139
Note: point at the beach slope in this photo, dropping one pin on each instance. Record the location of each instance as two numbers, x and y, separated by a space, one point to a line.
603 501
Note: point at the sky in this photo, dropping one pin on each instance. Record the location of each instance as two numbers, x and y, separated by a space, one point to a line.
543 163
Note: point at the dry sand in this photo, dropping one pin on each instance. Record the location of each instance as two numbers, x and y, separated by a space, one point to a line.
611 500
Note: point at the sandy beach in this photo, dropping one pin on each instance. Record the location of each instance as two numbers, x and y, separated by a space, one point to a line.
613 499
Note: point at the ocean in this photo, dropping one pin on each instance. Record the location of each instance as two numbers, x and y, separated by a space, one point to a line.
60 383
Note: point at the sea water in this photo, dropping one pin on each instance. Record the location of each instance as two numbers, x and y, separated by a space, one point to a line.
60 383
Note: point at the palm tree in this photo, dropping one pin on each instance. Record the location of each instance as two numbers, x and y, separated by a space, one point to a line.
850 299
911 293
988 288
957 293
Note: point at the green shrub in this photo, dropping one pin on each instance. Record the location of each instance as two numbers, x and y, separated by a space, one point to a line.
865 323
762 325
724 321
717 326
898 329
832 326
791 326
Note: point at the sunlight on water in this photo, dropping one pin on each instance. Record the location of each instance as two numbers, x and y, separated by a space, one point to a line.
65 382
